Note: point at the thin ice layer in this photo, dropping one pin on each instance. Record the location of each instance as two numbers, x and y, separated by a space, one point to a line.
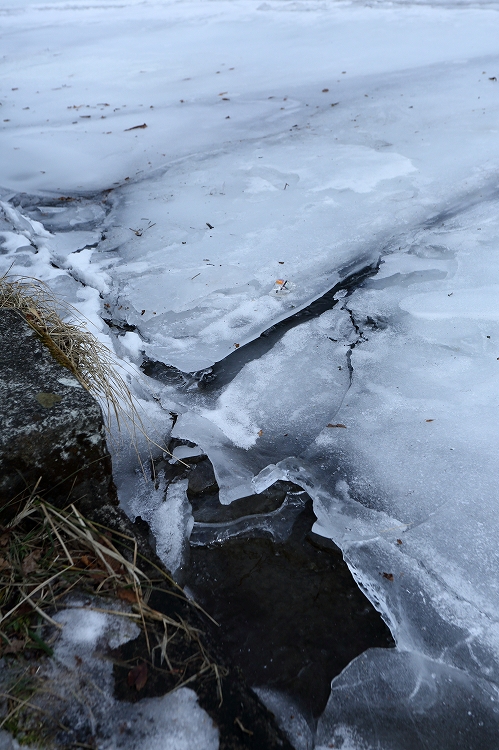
172 525
199 280
385 700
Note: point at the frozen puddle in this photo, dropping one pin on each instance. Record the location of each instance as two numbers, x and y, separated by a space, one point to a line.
256 567
305 143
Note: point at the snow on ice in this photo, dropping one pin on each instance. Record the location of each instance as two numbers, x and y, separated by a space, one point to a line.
302 141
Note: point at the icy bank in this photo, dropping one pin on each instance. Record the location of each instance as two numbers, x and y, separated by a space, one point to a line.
297 141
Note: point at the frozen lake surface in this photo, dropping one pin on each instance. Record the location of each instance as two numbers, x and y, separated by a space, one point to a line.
167 166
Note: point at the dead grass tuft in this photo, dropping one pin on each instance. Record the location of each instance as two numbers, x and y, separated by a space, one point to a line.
47 554
92 364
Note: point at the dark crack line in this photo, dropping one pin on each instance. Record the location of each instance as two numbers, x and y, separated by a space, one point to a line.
360 339
222 373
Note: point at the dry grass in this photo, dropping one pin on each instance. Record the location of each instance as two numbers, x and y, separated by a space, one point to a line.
47 554
92 364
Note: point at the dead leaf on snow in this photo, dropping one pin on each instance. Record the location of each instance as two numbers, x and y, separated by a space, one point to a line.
136 127
137 676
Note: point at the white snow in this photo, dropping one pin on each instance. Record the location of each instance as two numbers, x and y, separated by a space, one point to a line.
84 628
300 141
172 722
479 303
79 666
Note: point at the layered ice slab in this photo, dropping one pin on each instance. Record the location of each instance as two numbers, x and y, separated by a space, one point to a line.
420 452
214 236
388 700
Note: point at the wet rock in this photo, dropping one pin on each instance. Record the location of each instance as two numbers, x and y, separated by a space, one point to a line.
52 429
202 479
322 543
242 720
266 502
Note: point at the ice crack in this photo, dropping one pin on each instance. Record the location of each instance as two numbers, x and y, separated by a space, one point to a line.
359 340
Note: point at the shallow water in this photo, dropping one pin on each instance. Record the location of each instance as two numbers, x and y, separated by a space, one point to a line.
291 615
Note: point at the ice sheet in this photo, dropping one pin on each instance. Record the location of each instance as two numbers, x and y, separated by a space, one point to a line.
197 292
386 700
86 62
